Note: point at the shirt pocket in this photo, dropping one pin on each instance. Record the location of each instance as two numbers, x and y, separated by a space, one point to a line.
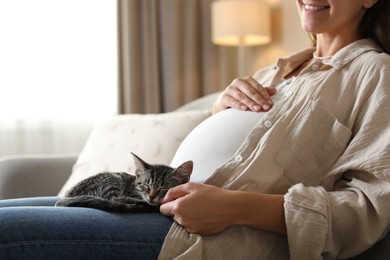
315 143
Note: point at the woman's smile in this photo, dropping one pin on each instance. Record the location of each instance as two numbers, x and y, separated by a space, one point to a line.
314 7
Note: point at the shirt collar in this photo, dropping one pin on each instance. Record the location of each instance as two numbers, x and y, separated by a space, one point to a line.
287 64
351 52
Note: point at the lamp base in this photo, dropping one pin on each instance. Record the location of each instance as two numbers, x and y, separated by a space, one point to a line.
242 61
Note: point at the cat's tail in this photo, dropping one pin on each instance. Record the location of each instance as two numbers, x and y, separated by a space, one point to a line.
88 201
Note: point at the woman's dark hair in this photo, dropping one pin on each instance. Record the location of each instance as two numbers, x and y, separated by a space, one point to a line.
375 25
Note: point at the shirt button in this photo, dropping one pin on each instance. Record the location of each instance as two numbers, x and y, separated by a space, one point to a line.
315 67
238 158
267 123
289 93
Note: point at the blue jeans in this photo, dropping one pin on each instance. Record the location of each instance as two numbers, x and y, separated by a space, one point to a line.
34 229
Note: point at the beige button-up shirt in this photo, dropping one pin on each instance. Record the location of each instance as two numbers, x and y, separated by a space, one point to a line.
326 147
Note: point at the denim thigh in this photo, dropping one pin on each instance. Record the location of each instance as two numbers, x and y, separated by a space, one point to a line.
34 229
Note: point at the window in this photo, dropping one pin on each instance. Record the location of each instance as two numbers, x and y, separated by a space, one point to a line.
58 58
58 62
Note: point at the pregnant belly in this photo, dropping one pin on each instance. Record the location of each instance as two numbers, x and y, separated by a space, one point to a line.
214 141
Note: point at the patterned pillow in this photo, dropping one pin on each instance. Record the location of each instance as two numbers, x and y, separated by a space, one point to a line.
153 137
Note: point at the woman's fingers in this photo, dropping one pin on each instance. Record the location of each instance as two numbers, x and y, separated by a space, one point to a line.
199 208
258 94
245 94
175 193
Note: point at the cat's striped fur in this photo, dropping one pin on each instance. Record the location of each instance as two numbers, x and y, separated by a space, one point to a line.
120 191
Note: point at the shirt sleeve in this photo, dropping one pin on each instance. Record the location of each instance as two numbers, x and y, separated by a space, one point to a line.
354 215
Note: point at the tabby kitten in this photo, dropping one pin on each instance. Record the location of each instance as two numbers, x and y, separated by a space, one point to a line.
120 191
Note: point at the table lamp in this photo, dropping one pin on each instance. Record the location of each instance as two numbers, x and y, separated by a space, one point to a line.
240 23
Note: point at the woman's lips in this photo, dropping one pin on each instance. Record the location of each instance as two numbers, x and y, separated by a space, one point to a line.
310 7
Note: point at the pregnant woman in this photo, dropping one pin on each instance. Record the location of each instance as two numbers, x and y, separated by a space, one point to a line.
293 164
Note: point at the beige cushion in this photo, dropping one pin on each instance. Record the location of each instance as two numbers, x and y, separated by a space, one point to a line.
153 137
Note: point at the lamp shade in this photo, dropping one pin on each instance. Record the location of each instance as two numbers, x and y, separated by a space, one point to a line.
240 22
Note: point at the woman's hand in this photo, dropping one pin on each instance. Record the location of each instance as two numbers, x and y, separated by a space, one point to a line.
205 209
199 208
245 94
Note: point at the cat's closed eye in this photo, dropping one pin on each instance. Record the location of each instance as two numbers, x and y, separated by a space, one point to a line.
146 187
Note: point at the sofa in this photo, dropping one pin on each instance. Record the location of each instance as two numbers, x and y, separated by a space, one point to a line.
50 175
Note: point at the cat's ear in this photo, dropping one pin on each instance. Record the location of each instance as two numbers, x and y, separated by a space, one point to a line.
140 165
185 169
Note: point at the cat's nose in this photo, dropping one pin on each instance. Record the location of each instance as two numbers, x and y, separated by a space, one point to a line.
152 194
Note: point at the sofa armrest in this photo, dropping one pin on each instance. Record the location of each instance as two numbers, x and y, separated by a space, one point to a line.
34 175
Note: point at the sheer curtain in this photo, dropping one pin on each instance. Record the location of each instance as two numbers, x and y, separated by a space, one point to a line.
34 136
58 73
166 54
